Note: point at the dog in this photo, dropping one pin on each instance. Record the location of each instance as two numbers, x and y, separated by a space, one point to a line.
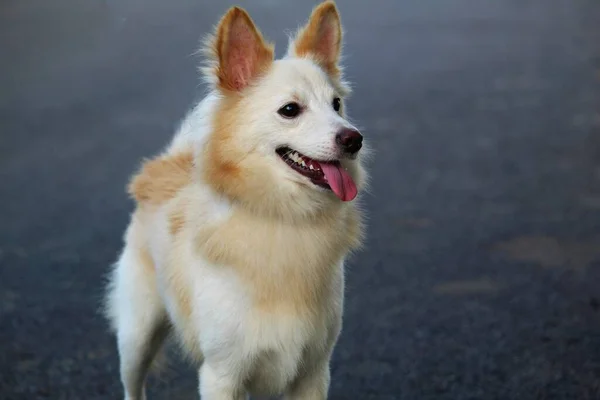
243 223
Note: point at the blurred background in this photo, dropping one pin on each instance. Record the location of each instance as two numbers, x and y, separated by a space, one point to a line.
481 274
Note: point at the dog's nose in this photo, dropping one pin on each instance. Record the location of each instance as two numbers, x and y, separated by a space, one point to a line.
350 140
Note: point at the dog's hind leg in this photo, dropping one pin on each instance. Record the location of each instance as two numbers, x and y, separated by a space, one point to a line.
138 316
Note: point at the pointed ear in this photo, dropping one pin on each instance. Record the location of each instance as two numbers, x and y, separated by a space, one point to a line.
321 37
237 52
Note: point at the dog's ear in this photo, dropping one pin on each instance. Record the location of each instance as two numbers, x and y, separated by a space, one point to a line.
320 38
237 52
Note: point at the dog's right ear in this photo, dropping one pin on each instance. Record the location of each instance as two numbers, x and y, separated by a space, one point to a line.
237 52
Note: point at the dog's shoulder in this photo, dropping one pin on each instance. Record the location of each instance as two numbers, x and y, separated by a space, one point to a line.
161 178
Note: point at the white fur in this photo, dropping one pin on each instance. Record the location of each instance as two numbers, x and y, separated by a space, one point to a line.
314 133
196 126
162 281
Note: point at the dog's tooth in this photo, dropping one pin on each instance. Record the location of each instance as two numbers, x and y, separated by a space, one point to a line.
311 167
303 163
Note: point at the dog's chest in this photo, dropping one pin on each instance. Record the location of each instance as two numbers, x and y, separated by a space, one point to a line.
269 346
284 346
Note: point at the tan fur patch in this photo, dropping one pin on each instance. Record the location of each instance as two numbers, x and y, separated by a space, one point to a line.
161 178
221 168
174 270
180 289
176 221
324 23
287 267
146 260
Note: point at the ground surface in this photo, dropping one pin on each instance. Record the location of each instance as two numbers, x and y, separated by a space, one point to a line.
481 277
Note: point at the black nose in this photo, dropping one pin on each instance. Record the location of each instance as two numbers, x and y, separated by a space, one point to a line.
350 140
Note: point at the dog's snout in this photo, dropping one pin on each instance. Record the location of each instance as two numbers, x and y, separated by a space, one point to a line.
350 140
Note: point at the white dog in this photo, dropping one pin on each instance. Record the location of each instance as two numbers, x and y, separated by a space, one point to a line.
242 224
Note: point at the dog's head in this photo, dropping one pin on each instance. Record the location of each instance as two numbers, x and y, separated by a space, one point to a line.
281 143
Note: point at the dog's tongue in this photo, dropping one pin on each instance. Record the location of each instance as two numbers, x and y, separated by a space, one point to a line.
340 181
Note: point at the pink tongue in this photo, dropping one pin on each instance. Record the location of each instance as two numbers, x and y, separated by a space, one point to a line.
340 181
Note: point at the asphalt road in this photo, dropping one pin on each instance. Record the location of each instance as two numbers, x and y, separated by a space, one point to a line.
481 275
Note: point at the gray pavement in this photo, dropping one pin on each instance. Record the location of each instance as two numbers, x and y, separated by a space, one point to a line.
481 275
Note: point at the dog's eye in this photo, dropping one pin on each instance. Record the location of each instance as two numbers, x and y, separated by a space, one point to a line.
337 103
290 110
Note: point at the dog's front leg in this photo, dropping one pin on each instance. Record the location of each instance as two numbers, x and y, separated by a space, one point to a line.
217 384
313 385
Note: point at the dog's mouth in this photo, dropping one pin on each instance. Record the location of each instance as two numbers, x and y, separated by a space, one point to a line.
327 174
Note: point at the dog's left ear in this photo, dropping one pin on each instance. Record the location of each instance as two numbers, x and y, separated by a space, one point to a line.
237 52
321 38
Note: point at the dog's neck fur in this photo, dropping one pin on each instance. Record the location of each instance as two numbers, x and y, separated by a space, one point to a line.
289 265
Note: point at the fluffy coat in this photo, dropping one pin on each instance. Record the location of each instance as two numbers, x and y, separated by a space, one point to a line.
229 248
